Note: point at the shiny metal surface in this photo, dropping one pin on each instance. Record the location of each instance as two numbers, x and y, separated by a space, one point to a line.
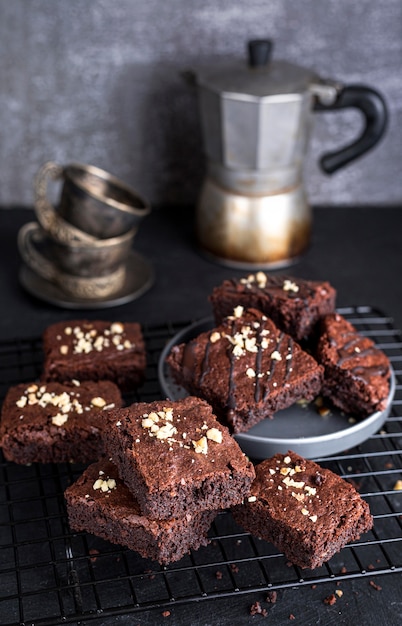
92 200
248 231
256 120
81 270
138 279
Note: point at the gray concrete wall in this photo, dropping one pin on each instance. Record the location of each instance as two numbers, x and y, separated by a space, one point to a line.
98 81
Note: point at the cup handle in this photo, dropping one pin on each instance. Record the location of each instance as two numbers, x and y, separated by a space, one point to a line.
30 255
43 207
45 211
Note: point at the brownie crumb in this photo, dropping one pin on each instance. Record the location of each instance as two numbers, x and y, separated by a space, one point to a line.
319 479
166 614
94 553
234 568
330 599
374 585
291 616
256 609
272 597
343 570
218 575
314 586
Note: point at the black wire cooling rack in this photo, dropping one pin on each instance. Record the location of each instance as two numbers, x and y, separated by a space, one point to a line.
50 575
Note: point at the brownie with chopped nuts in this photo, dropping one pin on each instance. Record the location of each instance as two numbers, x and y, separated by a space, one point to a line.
294 304
55 422
356 372
176 458
100 503
307 512
95 350
246 368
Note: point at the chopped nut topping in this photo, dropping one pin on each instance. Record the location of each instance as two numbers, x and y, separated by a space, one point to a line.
238 311
252 498
117 328
250 372
104 485
287 459
398 485
289 285
22 402
289 482
168 413
313 518
147 422
59 420
201 446
98 402
276 356
166 431
214 434
63 349
68 330
215 336
310 490
299 496
285 471
304 512
261 279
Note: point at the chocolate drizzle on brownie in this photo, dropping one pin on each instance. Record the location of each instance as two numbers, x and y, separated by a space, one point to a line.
357 372
246 368
350 350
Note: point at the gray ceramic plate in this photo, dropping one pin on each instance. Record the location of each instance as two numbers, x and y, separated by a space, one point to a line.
139 278
297 428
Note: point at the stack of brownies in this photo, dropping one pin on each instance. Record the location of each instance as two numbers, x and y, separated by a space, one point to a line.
86 366
170 468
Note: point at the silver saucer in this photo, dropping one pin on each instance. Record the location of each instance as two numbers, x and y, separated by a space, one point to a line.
139 278
296 428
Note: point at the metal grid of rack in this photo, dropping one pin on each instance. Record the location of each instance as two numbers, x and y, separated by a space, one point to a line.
50 575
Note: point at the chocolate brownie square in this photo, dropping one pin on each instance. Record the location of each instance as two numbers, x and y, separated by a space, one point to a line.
55 422
357 373
307 512
95 350
101 504
294 304
176 458
246 368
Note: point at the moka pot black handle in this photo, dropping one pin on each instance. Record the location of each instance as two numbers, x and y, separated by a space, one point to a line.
372 105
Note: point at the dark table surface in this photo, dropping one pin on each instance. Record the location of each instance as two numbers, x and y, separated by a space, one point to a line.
357 249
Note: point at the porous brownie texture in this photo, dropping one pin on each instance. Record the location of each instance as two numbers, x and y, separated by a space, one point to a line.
95 350
176 458
54 422
294 304
356 372
246 368
307 512
101 504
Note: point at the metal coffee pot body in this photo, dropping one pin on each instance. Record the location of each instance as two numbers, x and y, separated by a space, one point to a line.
256 121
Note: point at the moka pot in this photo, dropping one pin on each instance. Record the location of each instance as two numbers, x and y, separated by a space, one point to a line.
256 120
